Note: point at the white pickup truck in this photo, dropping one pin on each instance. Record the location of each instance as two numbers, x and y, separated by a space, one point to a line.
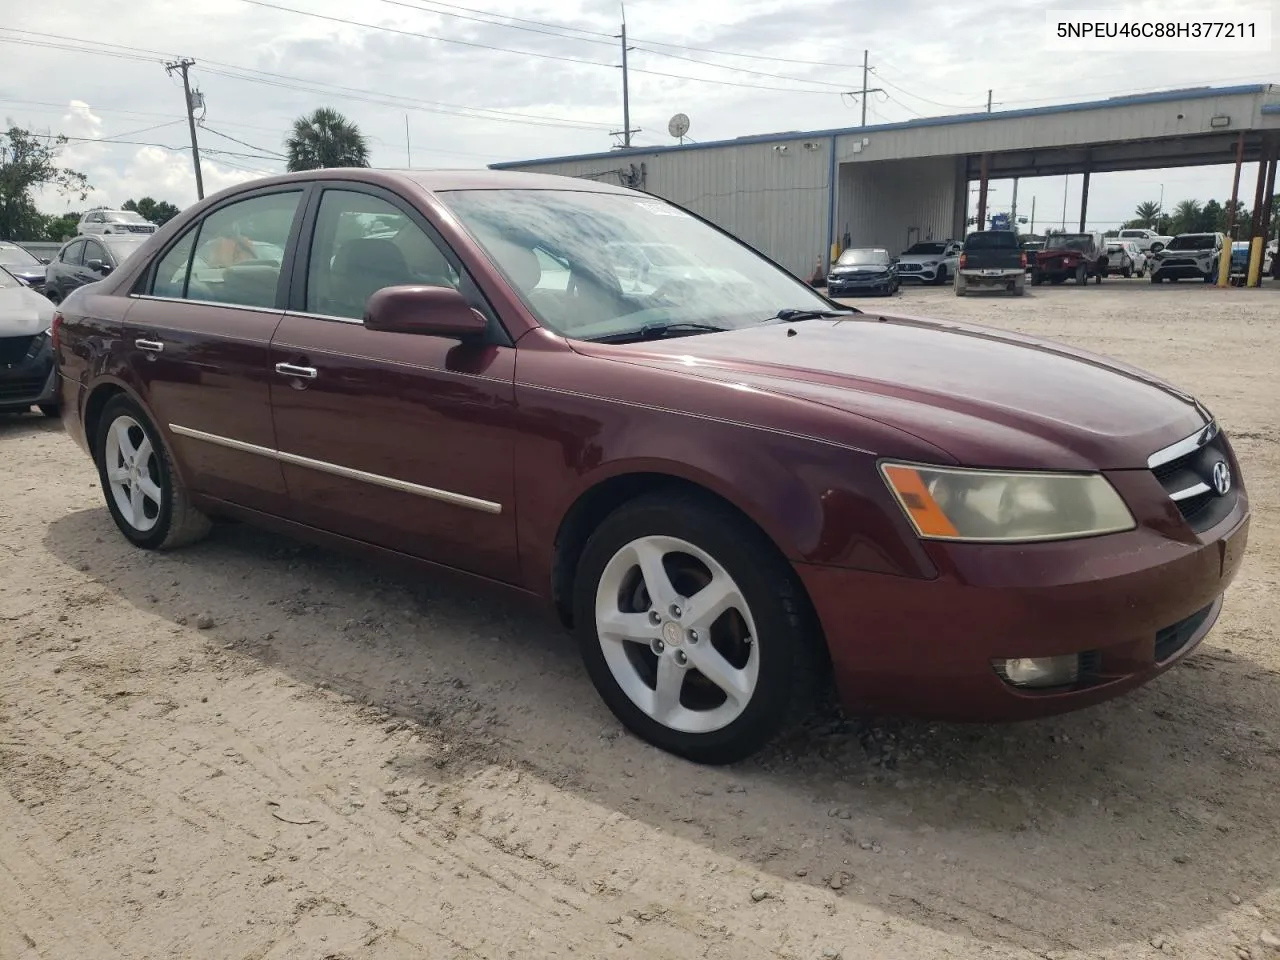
1148 241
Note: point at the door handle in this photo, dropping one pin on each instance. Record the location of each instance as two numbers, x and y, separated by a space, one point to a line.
151 346
293 370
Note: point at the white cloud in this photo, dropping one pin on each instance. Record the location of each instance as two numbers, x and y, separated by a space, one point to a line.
930 57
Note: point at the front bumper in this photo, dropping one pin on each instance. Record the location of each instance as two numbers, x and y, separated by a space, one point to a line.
924 275
27 378
844 286
1131 605
1183 271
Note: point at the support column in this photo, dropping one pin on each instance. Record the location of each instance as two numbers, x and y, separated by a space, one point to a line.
982 193
1084 199
1269 194
1253 274
1224 266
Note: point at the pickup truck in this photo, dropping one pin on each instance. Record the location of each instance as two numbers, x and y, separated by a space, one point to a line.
1076 256
1148 241
992 258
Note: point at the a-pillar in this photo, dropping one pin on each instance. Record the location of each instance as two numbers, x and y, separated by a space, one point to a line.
982 193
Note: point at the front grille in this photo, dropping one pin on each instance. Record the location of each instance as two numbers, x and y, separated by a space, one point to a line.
1191 474
20 388
1172 639
139 227
910 268
14 350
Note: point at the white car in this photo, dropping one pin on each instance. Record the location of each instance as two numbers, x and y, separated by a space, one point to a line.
1124 258
930 261
102 220
1148 241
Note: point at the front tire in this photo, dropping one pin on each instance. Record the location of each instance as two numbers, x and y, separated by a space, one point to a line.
942 276
693 628
144 493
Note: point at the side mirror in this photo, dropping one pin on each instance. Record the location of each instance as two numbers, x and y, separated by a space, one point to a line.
97 266
44 260
429 311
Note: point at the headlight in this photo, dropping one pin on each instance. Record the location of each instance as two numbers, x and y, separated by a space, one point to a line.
931 263
945 503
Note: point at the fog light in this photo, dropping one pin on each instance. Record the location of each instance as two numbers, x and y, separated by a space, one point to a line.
1039 671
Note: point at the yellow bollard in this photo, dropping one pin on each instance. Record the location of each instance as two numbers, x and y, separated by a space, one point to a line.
1254 275
1224 266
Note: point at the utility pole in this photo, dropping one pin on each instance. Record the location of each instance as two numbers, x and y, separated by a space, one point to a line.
866 71
408 154
626 130
1013 211
183 66
989 92
1032 230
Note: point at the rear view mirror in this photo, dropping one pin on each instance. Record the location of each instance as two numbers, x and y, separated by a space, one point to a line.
430 311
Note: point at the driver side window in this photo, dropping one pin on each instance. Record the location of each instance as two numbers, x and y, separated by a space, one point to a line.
361 244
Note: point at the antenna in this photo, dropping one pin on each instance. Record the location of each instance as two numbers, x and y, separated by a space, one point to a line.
678 126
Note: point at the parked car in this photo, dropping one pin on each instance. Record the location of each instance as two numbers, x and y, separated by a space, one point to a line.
1124 258
1189 256
727 495
27 375
23 264
929 261
1148 241
863 270
87 260
992 258
1032 244
101 220
1071 256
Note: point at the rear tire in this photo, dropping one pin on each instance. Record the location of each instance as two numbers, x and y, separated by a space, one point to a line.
144 493
758 642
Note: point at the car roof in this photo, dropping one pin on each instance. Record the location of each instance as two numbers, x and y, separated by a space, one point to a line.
434 181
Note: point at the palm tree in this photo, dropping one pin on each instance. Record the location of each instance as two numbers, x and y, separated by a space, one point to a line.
1147 212
1186 216
325 138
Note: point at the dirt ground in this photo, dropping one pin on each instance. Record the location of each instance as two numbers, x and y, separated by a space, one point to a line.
256 749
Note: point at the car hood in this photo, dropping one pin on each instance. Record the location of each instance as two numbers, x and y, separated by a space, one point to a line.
924 257
855 268
27 273
986 397
23 312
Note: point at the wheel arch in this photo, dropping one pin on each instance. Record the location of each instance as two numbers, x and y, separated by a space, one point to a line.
96 402
606 495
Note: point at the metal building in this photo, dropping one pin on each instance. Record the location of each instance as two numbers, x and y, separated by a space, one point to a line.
896 183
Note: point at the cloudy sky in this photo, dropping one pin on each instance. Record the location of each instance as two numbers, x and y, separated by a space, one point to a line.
477 86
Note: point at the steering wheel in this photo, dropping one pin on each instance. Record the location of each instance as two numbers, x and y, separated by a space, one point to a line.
676 290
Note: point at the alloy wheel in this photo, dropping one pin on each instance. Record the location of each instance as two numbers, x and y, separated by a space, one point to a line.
133 474
677 634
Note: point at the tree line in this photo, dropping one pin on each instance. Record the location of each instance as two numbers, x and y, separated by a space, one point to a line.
1191 216
29 163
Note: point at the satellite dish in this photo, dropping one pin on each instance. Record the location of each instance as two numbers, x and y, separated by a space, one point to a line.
678 126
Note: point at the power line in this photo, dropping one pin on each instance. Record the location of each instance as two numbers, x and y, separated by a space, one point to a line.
525 53
288 81
205 126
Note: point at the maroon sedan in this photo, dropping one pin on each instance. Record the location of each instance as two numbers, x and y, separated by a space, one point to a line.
730 486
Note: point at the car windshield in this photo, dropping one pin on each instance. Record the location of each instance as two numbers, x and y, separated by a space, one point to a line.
7 280
1070 241
12 255
857 257
1192 241
917 249
122 248
582 262
992 240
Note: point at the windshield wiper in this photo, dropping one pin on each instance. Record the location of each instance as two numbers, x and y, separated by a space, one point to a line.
658 331
788 314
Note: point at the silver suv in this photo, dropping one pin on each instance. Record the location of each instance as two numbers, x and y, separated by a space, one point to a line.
102 220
